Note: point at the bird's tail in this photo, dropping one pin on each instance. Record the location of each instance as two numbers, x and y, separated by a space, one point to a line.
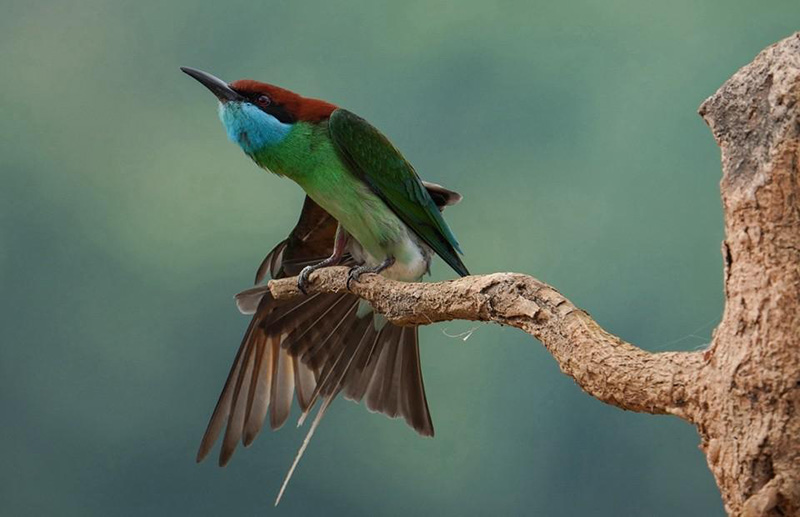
318 346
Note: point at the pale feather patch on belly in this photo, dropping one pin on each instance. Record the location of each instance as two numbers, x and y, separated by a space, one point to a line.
411 260
412 257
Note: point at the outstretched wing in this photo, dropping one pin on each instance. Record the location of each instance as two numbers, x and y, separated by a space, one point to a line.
315 347
378 163
310 242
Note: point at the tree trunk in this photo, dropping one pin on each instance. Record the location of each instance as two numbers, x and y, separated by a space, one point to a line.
743 393
750 389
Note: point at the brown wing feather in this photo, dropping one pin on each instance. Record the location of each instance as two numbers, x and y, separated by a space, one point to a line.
282 389
260 389
305 382
310 241
233 431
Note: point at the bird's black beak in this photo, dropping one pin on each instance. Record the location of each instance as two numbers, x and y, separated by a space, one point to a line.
217 86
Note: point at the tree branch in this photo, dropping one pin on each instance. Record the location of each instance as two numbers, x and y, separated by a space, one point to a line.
605 366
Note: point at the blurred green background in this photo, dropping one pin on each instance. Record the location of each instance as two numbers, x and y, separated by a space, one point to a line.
128 222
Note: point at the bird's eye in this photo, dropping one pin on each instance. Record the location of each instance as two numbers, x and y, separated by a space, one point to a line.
263 100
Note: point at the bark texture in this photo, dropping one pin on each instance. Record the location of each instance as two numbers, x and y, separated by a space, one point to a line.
750 390
743 393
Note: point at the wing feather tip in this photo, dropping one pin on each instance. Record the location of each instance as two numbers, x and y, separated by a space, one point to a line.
205 447
426 430
201 455
248 438
225 458
276 423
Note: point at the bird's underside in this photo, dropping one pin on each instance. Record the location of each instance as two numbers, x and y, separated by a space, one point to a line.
316 347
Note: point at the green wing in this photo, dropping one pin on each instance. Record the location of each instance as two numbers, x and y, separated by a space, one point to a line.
375 160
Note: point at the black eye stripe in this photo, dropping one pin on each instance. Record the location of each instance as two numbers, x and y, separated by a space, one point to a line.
276 110
279 112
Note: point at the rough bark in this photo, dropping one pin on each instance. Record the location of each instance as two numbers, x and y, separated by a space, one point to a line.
743 393
750 390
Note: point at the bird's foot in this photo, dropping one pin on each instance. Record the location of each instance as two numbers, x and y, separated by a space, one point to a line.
339 245
354 275
302 278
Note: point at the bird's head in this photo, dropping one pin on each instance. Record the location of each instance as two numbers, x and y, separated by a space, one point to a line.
258 115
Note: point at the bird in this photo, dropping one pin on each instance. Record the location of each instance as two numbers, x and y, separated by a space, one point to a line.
365 207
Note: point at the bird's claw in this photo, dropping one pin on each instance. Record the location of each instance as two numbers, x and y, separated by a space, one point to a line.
354 275
302 279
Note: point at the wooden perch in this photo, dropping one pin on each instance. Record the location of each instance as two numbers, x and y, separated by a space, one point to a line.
604 365
743 393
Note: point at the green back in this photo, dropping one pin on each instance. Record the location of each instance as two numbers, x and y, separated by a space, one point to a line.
378 163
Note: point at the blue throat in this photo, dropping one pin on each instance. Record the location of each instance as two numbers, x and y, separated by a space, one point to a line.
250 127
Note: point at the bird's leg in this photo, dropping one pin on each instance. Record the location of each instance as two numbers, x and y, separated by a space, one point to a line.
355 273
339 245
